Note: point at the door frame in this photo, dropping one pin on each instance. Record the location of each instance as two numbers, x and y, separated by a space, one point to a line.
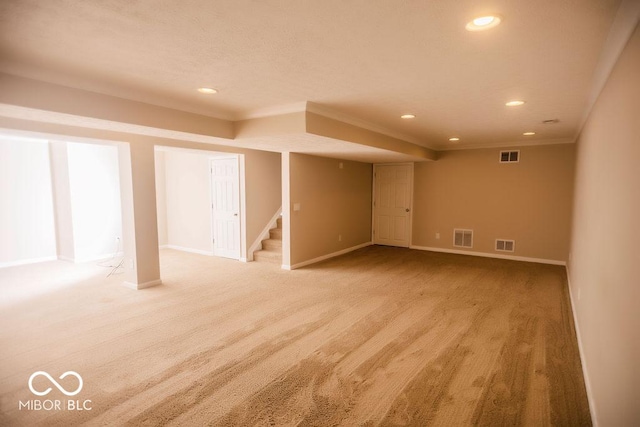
373 199
241 204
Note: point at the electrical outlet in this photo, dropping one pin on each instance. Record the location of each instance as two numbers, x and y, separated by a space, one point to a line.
339 237
437 235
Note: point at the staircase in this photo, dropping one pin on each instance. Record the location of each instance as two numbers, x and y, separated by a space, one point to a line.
271 247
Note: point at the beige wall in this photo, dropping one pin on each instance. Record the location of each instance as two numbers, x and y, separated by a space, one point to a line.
188 200
529 201
604 269
263 191
333 202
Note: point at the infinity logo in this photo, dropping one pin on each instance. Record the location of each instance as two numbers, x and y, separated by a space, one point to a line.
50 378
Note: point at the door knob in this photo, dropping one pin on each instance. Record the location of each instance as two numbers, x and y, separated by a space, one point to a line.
407 210
235 214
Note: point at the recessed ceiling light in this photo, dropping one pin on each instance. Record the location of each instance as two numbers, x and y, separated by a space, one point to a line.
483 23
454 139
514 103
529 133
408 116
207 90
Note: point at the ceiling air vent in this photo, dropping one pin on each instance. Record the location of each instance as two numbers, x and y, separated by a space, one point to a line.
462 238
510 156
505 245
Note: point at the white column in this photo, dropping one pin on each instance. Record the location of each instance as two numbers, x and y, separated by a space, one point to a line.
139 215
286 211
61 191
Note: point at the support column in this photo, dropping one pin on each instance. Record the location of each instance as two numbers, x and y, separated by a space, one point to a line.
286 211
139 215
61 189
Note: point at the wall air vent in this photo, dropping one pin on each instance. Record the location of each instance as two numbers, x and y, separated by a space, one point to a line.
510 156
505 245
462 238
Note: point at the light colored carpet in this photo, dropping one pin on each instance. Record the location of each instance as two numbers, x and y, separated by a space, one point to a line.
381 336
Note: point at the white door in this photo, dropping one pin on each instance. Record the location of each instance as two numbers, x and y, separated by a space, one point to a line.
392 204
225 207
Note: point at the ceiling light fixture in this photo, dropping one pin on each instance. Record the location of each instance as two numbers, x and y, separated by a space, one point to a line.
408 116
207 90
529 133
454 139
514 103
483 23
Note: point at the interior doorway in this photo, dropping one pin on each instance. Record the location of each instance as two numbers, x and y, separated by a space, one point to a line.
392 204
225 207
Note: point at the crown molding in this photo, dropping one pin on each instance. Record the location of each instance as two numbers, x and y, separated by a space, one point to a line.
534 142
623 26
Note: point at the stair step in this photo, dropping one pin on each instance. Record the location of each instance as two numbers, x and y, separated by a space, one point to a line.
275 233
279 222
268 256
272 244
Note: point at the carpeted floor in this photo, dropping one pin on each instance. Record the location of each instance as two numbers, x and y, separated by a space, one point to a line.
381 336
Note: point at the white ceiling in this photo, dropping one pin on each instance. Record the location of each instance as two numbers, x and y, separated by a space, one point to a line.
371 61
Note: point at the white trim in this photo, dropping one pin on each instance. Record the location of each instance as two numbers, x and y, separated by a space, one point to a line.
583 362
507 144
163 247
138 286
243 208
194 251
27 261
490 255
323 257
264 234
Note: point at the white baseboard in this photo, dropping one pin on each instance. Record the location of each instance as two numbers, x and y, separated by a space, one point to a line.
264 234
183 249
95 258
490 255
138 286
583 362
323 257
27 261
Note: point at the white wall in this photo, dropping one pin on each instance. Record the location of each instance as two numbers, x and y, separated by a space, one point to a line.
95 200
604 267
161 197
188 201
27 231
